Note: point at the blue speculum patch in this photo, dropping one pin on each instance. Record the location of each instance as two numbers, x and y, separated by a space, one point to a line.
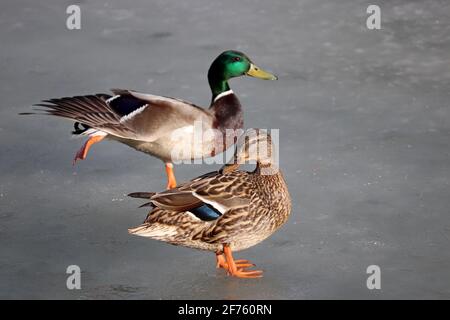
206 212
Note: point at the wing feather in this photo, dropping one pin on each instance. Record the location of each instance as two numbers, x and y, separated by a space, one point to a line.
162 116
144 117
223 192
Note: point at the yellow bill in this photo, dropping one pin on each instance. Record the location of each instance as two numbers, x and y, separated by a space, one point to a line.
257 72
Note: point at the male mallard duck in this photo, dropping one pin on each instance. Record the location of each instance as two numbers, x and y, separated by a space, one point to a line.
155 124
223 211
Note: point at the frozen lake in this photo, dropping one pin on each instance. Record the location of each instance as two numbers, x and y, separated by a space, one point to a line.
365 146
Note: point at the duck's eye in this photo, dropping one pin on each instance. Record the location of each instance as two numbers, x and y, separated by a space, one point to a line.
237 59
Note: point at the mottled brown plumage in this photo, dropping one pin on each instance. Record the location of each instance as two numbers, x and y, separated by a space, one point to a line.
252 206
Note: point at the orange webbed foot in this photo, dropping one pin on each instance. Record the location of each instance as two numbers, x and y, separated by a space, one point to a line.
82 153
240 264
237 268
250 274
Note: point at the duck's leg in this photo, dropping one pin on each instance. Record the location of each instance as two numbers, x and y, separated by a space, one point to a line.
234 270
171 181
82 153
222 263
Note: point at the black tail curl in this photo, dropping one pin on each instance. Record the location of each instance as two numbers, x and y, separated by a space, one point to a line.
77 130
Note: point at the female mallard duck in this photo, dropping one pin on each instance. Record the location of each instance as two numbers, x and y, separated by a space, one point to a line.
148 123
224 211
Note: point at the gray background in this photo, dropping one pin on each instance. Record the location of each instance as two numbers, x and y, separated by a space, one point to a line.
365 128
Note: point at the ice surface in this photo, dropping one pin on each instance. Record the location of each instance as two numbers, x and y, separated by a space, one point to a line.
364 118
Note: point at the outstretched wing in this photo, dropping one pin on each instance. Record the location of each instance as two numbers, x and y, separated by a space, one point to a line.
152 117
127 114
92 111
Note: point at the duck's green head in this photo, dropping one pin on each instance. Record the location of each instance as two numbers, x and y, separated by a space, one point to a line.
230 64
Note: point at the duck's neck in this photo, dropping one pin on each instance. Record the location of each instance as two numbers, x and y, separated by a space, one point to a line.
217 82
227 111
217 87
225 105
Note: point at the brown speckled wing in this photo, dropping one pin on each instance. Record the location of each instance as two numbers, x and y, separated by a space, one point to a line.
224 192
176 200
